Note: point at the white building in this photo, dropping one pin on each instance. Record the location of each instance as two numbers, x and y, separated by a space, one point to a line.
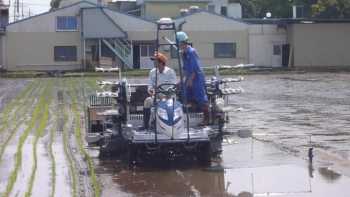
78 35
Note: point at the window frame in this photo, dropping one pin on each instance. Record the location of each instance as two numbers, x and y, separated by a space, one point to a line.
66 23
56 59
225 55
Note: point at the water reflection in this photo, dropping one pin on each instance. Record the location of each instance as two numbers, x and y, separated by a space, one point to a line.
180 178
169 178
311 170
329 175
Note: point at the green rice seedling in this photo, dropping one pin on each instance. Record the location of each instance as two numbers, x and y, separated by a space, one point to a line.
15 104
65 138
82 150
23 107
39 131
22 139
52 134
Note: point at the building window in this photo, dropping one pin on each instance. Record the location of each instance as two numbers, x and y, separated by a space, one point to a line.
65 53
277 50
211 8
224 10
147 50
174 51
224 50
66 23
105 52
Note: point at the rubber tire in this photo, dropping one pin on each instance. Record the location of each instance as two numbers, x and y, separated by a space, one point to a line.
131 154
205 154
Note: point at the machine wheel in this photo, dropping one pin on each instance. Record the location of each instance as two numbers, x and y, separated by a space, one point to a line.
103 149
131 154
107 150
204 154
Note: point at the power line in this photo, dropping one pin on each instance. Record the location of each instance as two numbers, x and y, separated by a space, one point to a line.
33 4
37 4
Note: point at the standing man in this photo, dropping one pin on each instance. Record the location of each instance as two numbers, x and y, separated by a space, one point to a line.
164 75
195 78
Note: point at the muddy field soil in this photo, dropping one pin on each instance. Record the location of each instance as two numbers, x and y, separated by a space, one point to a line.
43 153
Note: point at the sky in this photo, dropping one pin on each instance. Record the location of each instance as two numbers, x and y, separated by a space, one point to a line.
30 7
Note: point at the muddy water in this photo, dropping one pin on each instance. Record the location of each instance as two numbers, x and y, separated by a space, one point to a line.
10 89
313 106
297 111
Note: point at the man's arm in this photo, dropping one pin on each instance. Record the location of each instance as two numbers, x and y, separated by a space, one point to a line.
172 79
194 66
183 74
190 81
150 82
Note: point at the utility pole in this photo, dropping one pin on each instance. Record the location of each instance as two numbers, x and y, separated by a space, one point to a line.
22 11
14 11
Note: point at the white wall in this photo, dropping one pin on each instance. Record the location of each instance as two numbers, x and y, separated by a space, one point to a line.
234 10
261 39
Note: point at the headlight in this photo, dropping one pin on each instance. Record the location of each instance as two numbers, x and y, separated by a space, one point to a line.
177 113
162 113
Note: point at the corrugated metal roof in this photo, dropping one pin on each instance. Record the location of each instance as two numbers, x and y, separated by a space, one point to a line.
69 2
97 24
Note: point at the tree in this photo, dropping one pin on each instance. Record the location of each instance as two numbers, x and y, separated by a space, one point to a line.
325 9
259 8
55 4
331 9
307 12
278 9
250 8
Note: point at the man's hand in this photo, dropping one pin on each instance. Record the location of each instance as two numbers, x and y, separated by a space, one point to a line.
179 84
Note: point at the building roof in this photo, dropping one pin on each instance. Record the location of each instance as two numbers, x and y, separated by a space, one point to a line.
65 3
285 21
55 10
79 2
206 11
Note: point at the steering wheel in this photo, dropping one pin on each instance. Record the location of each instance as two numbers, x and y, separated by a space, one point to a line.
172 88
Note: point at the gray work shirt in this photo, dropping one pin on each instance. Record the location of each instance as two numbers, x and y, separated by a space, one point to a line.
167 76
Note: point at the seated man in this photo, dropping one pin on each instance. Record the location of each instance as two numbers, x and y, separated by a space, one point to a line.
164 75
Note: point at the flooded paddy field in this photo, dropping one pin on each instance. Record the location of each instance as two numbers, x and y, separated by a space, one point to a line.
43 153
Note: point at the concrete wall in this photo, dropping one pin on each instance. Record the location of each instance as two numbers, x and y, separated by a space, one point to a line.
29 44
320 45
261 39
35 51
155 11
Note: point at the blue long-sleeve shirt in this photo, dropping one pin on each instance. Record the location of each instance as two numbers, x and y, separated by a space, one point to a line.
191 63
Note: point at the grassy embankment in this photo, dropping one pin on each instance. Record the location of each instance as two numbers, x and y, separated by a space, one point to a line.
92 73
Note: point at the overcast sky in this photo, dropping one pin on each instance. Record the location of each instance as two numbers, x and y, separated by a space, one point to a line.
33 7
